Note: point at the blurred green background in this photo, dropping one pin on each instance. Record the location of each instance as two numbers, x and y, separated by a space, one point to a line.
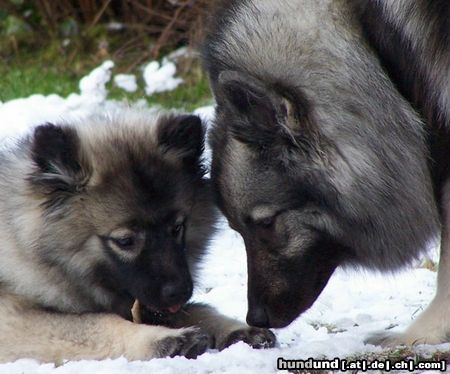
47 46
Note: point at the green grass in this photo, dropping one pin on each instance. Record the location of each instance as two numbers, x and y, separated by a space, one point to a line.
21 80
53 70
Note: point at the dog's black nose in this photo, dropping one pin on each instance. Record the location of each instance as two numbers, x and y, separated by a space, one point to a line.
258 317
175 293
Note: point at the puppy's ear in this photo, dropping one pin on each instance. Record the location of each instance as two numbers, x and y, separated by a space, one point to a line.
268 114
55 151
182 136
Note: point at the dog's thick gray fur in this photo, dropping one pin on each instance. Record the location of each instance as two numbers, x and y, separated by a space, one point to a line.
331 144
95 214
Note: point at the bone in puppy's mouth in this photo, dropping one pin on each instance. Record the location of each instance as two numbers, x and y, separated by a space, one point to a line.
136 311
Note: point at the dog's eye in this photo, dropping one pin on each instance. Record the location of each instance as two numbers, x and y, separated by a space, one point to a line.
178 228
125 243
266 223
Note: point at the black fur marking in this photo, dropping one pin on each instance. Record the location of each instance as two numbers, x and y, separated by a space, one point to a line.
279 307
158 277
153 182
53 144
399 56
55 150
185 135
410 70
121 299
274 114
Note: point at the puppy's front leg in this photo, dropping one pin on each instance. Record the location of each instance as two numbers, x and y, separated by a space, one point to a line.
223 330
53 337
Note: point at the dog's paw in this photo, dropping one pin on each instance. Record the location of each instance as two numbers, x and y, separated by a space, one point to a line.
431 327
188 342
253 336
408 338
385 339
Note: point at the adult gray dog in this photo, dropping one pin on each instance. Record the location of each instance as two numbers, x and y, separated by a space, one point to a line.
331 145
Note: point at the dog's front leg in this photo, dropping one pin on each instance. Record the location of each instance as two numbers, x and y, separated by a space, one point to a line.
433 324
53 337
223 330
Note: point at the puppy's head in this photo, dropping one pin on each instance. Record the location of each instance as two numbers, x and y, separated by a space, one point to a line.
119 198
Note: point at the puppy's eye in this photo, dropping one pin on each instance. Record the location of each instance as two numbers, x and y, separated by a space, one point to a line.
125 243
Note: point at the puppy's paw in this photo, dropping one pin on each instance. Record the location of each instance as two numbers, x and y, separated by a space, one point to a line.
188 342
253 336
141 342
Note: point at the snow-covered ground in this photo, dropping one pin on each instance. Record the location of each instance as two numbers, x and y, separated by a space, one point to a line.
352 305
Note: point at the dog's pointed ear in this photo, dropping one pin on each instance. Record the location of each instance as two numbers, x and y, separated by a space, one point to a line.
245 94
271 112
55 151
183 136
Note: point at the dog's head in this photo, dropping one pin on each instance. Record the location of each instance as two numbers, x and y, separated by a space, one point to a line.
311 184
120 205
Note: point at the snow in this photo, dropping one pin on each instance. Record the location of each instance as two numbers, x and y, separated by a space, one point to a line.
93 85
160 78
126 82
352 305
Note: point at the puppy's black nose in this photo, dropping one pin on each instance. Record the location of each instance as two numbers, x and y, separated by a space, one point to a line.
176 293
258 317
